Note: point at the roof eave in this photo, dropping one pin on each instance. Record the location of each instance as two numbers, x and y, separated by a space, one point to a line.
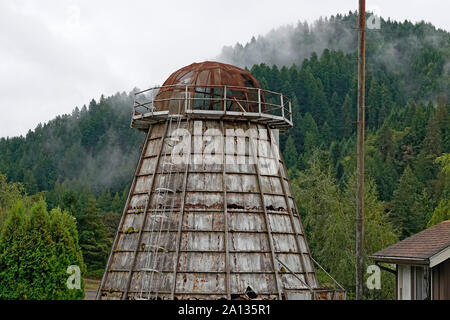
401 260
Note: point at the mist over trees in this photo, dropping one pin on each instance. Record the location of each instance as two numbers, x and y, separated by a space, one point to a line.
83 163
416 53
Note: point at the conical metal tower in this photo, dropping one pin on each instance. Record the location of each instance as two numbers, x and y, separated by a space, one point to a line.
210 213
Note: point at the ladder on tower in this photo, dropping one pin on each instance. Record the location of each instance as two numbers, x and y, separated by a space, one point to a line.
157 250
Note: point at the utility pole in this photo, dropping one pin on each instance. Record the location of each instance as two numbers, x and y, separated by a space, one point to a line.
360 149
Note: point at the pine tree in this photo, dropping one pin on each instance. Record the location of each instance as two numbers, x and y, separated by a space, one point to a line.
117 204
405 202
93 240
104 201
290 153
432 141
329 217
386 144
36 248
346 114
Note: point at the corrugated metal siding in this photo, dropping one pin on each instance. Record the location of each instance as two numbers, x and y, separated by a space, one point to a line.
201 268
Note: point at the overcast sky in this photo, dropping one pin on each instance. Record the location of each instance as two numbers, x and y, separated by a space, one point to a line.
55 55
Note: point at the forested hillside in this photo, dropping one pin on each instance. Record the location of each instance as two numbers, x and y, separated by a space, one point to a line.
84 162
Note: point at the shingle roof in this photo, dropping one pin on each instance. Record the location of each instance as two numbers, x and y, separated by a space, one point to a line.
419 247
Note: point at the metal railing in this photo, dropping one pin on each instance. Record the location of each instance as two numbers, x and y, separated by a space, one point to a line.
212 101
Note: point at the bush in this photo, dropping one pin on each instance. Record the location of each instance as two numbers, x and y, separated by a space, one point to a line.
36 247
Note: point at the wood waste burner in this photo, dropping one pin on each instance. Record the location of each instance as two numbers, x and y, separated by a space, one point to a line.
210 213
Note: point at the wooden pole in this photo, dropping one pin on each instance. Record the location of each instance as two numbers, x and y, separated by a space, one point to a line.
360 150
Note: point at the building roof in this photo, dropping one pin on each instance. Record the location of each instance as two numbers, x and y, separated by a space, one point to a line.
212 73
428 247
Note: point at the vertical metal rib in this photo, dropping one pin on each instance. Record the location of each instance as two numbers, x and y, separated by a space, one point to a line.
124 212
125 293
180 219
269 233
288 205
225 211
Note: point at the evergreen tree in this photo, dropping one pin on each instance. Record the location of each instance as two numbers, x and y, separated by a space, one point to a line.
406 202
432 141
385 144
104 201
36 248
346 115
290 153
117 204
330 222
93 239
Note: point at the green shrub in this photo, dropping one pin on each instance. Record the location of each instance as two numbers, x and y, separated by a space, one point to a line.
36 248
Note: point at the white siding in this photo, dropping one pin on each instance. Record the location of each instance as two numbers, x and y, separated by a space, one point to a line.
404 282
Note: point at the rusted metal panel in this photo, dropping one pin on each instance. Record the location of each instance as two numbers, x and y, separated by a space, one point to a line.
247 201
141 281
316 294
200 283
275 203
204 200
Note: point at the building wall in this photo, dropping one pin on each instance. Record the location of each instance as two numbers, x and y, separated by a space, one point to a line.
404 282
413 282
441 281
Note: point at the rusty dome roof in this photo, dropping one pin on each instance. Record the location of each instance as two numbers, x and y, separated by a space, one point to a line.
212 73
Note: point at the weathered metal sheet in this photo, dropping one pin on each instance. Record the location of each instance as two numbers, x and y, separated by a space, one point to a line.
244 221
204 182
248 201
201 221
143 184
248 241
284 242
250 262
200 283
153 147
204 200
258 282
148 166
201 262
127 241
280 223
202 241
138 201
185 228
290 281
